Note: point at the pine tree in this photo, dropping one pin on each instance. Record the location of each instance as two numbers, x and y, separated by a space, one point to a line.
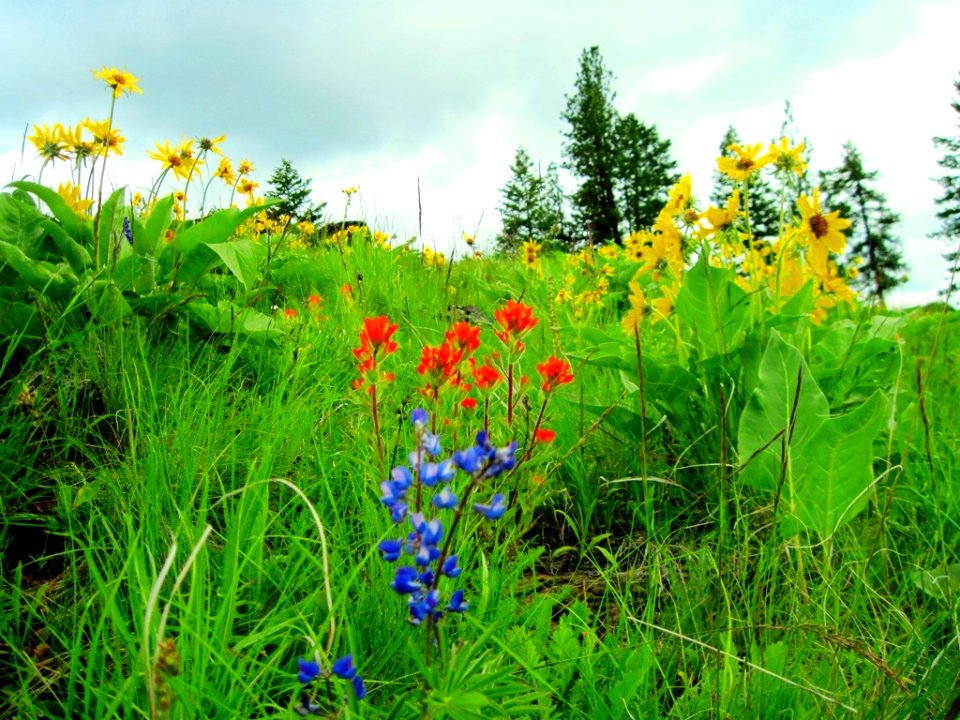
590 150
762 200
850 188
527 210
948 204
293 191
644 171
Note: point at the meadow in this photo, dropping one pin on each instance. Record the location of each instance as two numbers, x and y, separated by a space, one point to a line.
251 470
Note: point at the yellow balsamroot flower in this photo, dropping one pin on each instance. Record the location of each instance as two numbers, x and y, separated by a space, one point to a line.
746 162
225 172
638 309
48 143
211 144
73 140
634 243
432 258
664 305
350 191
245 168
70 192
563 296
107 140
468 239
119 80
608 252
663 251
530 256
381 239
608 270
246 187
720 220
822 233
786 159
680 196
170 157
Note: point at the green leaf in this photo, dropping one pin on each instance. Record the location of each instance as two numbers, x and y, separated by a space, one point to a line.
833 470
714 307
108 223
73 252
43 277
240 257
769 409
76 227
150 241
215 229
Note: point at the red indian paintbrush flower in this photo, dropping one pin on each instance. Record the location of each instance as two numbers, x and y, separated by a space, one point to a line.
516 320
375 337
555 372
464 336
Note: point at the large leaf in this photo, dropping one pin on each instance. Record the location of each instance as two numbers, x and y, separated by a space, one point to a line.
42 276
240 257
150 242
76 227
786 431
215 229
714 307
107 230
769 410
73 252
833 471
20 221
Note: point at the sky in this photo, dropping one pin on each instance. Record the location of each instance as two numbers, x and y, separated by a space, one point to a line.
392 96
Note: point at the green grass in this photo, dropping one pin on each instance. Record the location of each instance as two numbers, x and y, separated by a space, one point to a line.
162 554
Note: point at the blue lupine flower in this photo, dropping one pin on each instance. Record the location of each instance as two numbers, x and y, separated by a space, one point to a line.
426 555
402 477
309 670
423 606
391 549
432 532
456 603
430 444
445 499
343 668
405 580
391 493
359 689
426 578
494 510
398 512
432 473
419 418
450 568
127 230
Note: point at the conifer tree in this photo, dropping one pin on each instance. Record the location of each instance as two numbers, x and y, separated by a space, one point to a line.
948 203
851 189
590 150
293 191
527 209
644 171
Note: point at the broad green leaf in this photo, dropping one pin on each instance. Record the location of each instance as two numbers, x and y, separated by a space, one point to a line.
107 230
43 277
769 409
76 227
106 303
20 221
833 470
714 307
240 257
73 252
157 223
130 270
19 319
941 582
215 229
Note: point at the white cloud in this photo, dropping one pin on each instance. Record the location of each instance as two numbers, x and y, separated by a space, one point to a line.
683 78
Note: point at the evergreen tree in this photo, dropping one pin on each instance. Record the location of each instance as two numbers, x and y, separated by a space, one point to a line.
850 188
527 210
948 204
762 200
644 171
293 192
590 150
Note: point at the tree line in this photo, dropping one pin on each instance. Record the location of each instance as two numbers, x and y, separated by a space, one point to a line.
623 171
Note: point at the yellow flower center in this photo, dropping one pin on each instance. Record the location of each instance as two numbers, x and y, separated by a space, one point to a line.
744 163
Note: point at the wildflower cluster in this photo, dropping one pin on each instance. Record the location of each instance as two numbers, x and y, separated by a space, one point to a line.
310 670
375 343
428 544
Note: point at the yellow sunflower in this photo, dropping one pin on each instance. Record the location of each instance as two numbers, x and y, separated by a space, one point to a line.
823 233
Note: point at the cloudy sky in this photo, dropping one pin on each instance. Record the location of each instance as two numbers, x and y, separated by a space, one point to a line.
381 94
